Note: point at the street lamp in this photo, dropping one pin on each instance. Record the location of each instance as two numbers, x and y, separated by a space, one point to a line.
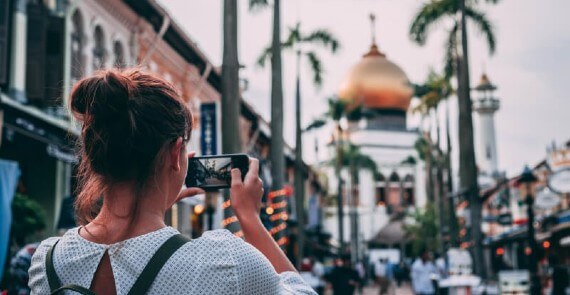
528 179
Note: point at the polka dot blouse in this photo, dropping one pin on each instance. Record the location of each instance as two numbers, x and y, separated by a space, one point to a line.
216 263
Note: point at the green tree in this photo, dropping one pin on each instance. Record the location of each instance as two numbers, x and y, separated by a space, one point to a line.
303 45
421 227
432 93
28 218
456 63
231 142
336 112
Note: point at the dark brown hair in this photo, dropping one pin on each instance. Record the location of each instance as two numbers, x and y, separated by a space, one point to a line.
127 118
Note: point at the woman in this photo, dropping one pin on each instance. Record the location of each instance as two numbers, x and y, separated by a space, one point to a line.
133 163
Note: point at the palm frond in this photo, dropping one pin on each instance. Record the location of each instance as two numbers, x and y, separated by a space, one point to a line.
428 15
256 5
484 26
451 52
316 124
324 38
336 109
294 36
264 56
316 67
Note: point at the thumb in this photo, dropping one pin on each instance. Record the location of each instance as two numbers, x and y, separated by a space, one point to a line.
236 177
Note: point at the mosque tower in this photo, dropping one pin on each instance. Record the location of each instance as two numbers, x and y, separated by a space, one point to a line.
485 105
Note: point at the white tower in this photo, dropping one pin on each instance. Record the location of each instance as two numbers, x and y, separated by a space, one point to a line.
485 104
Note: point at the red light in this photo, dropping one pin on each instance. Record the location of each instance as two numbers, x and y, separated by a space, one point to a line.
500 251
527 251
546 244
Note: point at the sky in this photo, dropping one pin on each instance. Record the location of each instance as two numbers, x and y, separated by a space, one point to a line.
529 67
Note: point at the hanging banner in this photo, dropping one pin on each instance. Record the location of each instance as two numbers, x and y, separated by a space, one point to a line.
208 129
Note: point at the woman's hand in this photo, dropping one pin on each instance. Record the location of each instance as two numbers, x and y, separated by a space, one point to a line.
246 195
189 191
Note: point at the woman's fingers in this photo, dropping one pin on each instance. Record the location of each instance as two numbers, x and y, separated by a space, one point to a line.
236 178
189 192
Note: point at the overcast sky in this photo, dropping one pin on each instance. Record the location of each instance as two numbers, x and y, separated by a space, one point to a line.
529 68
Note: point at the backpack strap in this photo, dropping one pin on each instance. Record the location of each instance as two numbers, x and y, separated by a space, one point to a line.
53 281
153 267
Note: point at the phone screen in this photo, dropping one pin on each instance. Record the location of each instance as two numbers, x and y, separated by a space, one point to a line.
214 172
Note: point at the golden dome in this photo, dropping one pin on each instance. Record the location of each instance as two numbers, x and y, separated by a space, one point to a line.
377 83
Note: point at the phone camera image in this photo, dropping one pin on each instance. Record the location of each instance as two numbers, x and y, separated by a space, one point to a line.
214 172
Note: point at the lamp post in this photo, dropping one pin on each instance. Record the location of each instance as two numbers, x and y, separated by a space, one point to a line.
528 179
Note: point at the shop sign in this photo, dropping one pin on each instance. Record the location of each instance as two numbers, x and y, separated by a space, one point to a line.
546 199
505 219
60 154
559 162
559 182
208 129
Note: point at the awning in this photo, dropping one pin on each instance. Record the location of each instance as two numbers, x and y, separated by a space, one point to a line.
57 135
391 234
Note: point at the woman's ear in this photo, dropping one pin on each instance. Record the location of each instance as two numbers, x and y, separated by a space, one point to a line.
174 154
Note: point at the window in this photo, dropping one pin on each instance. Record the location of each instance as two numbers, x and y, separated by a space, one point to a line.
380 190
77 44
394 177
99 51
119 53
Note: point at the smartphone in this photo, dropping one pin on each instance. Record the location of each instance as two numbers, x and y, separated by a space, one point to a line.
214 172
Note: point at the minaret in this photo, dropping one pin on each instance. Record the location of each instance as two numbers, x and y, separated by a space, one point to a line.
485 104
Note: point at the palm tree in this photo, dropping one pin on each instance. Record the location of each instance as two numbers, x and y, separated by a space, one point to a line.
436 89
230 94
299 42
276 148
456 63
337 110
354 160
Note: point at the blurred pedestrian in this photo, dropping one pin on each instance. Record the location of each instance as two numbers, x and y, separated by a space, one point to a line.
319 271
308 275
399 273
560 280
381 272
135 129
422 271
343 278
18 272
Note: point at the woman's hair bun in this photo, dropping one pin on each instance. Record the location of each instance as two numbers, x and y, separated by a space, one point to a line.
102 96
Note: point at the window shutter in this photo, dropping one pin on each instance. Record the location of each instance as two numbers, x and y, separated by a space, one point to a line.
54 61
4 30
36 53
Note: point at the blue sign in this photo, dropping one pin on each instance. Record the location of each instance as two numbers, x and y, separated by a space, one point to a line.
208 129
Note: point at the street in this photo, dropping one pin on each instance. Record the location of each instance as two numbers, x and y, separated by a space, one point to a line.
405 289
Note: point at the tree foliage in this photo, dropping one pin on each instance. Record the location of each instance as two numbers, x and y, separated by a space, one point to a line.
432 13
28 217
422 229
297 39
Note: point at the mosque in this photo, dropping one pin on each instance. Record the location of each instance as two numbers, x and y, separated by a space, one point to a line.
381 200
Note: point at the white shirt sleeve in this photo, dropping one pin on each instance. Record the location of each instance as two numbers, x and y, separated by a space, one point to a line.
256 275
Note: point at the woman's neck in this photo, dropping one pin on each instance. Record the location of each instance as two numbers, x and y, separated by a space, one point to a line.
126 215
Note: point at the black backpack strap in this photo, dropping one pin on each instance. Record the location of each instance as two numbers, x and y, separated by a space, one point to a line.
157 261
53 281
